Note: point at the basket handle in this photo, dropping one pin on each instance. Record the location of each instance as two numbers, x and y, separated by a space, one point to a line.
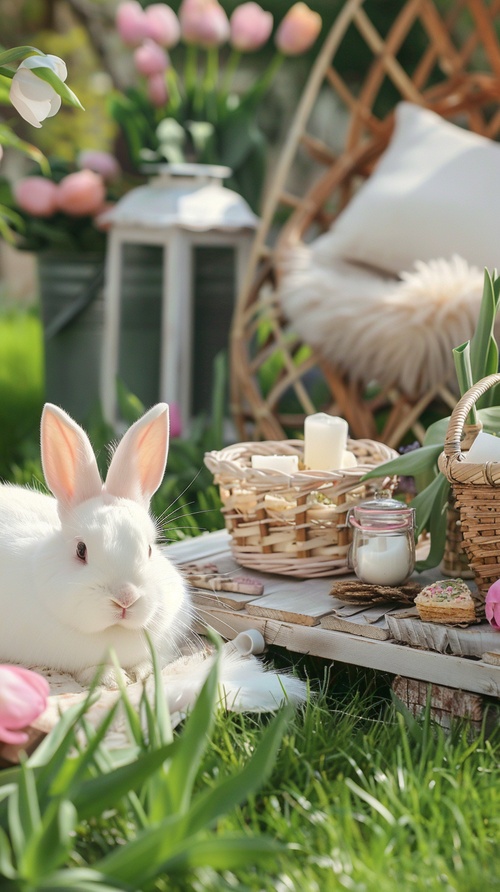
460 412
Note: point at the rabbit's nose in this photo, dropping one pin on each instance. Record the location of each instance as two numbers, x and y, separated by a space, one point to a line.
126 596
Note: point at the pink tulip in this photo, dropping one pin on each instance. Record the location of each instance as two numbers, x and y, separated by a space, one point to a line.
175 420
37 196
131 23
250 27
492 605
298 30
162 25
81 193
204 23
1 152
150 59
157 90
100 162
23 697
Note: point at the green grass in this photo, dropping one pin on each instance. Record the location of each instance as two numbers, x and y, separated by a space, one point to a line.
367 799
363 797
21 383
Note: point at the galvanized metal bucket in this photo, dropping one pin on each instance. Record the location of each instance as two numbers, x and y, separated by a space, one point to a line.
72 308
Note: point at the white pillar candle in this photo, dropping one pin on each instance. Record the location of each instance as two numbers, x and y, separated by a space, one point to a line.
485 448
325 439
349 460
383 560
287 464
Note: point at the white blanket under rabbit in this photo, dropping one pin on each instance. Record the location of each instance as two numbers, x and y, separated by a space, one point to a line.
244 686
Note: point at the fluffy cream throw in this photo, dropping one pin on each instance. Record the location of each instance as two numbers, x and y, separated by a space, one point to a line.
375 328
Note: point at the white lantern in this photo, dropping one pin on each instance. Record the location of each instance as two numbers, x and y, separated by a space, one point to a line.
183 206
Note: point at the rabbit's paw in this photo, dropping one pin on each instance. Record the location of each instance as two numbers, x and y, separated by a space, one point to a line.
107 677
140 671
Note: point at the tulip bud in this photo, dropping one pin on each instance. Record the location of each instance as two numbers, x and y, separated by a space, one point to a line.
204 23
251 27
150 59
81 194
492 605
175 420
36 196
157 90
23 697
162 25
131 23
33 98
298 30
100 162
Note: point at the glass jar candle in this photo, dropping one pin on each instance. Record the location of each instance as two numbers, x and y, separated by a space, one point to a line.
383 545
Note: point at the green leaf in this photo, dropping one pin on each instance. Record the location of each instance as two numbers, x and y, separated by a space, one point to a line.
461 358
233 790
29 808
8 138
48 75
18 52
50 844
164 725
65 783
437 525
130 406
430 507
490 419
409 464
104 792
143 856
425 502
480 342
7 788
223 853
80 879
186 761
16 830
7 868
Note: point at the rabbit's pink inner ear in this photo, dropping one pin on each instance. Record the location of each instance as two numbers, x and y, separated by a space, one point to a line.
138 465
68 460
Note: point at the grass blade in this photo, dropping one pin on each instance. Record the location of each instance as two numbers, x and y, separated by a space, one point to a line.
234 790
100 793
185 763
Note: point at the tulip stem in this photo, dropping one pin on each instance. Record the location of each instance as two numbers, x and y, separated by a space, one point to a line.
190 70
175 97
231 66
264 82
212 69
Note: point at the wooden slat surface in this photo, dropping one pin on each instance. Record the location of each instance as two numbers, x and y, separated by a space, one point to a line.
293 613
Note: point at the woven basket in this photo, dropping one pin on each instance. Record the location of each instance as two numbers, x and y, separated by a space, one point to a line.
277 522
455 561
477 493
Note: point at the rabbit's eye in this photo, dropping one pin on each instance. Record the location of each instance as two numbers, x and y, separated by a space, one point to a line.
81 552
150 551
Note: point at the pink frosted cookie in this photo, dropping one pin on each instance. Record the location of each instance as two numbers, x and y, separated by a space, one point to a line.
446 601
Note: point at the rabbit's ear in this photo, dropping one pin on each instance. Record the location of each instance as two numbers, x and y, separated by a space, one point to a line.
138 464
68 460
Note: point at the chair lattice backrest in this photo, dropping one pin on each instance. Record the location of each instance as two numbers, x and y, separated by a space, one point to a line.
454 69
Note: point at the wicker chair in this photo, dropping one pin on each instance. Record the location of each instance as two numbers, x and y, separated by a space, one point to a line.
457 76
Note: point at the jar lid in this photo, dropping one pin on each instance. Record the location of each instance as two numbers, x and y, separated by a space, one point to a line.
383 512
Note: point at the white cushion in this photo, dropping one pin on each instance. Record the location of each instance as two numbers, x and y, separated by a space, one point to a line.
378 328
434 193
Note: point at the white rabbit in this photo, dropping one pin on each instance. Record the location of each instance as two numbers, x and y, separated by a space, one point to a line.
81 573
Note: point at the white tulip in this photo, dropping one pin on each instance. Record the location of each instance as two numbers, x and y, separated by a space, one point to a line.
33 97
